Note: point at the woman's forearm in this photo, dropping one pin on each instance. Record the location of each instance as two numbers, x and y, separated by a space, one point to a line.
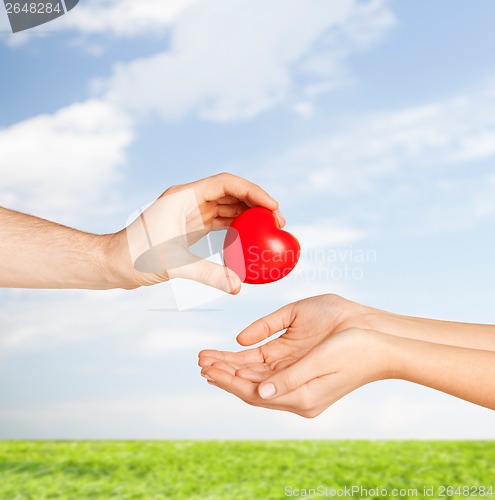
466 373
474 336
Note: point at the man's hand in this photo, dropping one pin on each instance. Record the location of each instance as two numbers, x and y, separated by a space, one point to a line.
155 247
36 253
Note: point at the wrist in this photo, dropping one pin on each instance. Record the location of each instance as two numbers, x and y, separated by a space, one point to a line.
347 314
376 319
119 271
384 351
373 351
392 349
388 323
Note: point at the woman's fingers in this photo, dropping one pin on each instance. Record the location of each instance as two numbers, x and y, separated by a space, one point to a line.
253 375
225 367
312 365
242 388
241 357
264 327
257 372
308 400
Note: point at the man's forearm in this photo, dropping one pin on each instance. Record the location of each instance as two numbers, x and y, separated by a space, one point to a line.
36 253
466 373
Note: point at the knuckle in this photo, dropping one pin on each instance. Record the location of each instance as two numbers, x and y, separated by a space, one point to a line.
353 333
265 327
251 400
291 381
172 190
206 275
306 403
310 413
334 298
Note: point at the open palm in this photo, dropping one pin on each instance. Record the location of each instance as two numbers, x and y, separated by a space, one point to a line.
307 324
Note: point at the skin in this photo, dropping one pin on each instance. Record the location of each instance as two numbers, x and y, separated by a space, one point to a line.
332 346
36 253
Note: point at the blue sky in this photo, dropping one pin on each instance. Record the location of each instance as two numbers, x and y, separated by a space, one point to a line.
372 122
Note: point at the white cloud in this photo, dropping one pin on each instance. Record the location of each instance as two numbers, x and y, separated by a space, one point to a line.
371 148
34 320
65 162
233 60
304 108
39 321
120 18
125 17
427 166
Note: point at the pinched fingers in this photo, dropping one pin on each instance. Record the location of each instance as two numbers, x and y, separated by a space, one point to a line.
191 267
227 186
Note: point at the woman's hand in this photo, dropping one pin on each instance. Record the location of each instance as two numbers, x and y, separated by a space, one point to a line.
309 383
307 323
155 246
326 352
320 357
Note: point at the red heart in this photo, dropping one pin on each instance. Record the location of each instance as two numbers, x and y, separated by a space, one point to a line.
257 249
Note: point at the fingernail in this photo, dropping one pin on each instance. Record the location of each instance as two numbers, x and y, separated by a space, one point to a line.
206 377
267 391
281 219
230 285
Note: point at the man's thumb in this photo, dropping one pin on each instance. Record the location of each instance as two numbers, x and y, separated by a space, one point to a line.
211 274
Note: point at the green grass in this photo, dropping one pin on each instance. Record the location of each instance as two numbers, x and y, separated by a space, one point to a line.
234 470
